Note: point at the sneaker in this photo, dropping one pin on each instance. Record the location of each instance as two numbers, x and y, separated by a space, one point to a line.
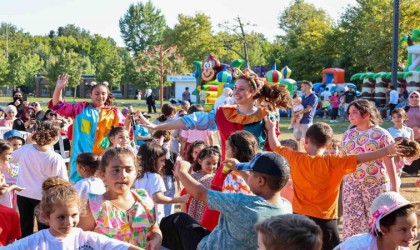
290 127
331 121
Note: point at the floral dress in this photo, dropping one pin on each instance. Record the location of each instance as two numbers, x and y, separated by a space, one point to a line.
129 226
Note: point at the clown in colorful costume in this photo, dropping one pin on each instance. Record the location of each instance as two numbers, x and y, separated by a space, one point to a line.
90 126
228 120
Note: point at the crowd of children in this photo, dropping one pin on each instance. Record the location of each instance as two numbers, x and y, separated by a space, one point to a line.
255 191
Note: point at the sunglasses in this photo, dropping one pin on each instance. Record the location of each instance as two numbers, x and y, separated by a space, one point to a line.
34 104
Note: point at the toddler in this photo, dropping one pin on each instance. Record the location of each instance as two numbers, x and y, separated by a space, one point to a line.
297 106
87 167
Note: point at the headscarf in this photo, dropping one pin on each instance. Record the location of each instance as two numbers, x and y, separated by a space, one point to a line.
26 110
148 92
414 92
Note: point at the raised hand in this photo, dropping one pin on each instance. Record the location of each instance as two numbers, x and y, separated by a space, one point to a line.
269 123
62 81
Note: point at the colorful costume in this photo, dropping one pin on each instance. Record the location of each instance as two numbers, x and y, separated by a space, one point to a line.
130 225
90 126
229 120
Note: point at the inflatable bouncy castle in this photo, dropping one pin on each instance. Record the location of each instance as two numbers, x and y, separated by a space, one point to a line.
375 85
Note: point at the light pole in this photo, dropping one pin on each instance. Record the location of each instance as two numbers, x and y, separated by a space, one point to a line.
395 29
161 53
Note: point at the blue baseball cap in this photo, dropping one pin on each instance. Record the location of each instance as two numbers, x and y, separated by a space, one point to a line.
269 163
13 134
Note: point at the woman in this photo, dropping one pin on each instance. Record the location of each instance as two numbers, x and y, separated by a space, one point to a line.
413 121
150 101
50 116
92 121
244 115
7 121
27 121
335 104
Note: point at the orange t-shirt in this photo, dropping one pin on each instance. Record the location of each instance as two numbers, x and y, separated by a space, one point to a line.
316 181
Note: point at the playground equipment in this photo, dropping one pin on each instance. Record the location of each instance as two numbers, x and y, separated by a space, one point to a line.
375 85
333 75
281 77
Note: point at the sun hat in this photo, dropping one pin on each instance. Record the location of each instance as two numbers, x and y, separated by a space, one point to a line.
13 134
383 205
269 163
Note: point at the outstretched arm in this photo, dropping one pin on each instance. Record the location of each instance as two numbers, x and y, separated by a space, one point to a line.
270 126
193 187
371 156
60 85
166 126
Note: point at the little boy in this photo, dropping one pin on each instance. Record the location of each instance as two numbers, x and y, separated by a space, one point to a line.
289 231
269 172
297 106
317 177
15 138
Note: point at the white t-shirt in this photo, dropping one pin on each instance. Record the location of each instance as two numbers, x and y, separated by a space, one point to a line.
361 242
88 186
298 108
153 183
393 97
35 167
77 239
326 94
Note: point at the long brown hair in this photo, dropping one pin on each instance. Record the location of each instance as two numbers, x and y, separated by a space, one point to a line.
366 107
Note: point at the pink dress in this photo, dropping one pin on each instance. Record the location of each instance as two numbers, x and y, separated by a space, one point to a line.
129 226
196 208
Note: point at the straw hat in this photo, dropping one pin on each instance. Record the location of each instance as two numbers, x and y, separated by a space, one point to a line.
383 205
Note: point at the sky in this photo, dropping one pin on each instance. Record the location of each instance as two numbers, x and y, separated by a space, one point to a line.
101 16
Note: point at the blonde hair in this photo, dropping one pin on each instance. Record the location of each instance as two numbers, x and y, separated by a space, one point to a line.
56 192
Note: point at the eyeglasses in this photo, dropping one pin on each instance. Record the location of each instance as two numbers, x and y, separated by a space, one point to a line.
414 96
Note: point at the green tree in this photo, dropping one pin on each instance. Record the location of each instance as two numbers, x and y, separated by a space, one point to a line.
142 26
67 62
4 68
306 27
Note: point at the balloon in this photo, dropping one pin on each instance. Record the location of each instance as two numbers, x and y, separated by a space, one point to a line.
273 76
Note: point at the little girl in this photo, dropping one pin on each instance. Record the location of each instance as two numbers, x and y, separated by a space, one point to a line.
193 151
10 172
399 116
204 168
87 167
242 146
120 137
152 158
297 106
37 162
371 178
121 213
393 225
60 209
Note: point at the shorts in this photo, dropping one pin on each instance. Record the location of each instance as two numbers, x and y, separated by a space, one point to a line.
300 132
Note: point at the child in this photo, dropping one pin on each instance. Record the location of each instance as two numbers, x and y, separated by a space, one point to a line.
193 150
152 161
121 213
268 173
37 162
189 136
370 178
393 225
204 168
399 116
9 172
120 137
297 106
289 231
15 138
60 209
317 177
164 138
325 107
9 219
242 146
87 167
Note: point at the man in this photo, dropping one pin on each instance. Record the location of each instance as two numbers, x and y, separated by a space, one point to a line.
393 100
309 102
349 96
186 95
